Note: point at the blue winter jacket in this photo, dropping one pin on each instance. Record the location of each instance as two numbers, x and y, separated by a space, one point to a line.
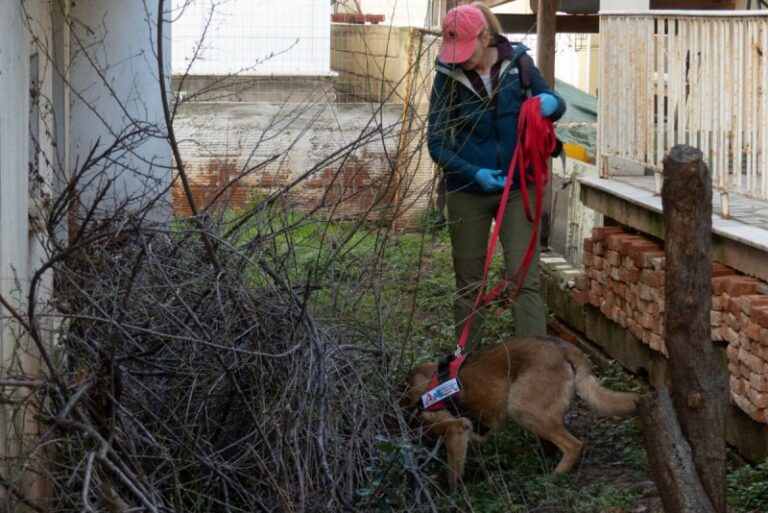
469 129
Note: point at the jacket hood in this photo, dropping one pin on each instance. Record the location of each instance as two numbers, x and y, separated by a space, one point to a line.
507 55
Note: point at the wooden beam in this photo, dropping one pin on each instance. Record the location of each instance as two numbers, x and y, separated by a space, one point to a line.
700 5
545 60
546 31
567 23
494 3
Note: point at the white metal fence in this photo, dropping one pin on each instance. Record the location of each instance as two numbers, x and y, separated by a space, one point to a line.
685 77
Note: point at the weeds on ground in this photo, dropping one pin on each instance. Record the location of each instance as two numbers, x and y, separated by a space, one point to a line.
510 473
748 488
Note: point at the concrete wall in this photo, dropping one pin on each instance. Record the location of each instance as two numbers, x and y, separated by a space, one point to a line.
338 153
116 96
371 61
14 157
399 13
388 64
625 5
25 156
348 142
26 119
114 88
63 91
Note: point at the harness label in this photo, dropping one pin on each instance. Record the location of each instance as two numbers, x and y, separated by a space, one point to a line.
440 392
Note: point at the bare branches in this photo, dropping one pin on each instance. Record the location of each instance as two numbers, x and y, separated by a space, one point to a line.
172 137
185 389
213 363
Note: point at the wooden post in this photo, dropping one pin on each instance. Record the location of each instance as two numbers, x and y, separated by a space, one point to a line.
698 381
546 31
671 457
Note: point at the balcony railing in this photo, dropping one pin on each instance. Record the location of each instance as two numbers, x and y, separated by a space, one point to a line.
687 77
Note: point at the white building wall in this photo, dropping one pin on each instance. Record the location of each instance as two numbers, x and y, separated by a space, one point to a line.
14 156
517 7
22 193
625 5
252 37
399 13
122 94
23 68
116 90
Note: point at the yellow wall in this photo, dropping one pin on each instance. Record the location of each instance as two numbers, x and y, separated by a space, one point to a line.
589 58
371 60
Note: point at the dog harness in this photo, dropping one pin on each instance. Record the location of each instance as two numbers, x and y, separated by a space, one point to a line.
447 370
444 387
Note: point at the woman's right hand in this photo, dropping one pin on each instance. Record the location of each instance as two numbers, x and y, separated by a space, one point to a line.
490 180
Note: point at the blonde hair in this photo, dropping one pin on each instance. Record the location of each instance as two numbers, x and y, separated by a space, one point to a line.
492 23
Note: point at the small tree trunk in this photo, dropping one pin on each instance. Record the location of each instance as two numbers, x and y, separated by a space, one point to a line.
699 392
670 455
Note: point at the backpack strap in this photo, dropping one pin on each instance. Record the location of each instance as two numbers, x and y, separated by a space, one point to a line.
524 64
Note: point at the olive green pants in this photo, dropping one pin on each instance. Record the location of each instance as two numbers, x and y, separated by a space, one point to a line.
469 219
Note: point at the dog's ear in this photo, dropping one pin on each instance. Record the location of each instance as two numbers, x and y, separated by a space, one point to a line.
397 404
419 376
401 393
415 383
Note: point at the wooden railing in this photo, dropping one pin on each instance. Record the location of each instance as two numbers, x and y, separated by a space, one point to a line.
687 77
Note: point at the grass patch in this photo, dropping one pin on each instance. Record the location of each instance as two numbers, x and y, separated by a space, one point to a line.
748 488
401 285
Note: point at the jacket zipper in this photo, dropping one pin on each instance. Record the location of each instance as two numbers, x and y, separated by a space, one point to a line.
496 128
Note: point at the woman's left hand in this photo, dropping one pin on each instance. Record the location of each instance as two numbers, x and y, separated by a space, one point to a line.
548 103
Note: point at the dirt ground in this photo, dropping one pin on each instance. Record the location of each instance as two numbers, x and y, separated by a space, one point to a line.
514 467
617 458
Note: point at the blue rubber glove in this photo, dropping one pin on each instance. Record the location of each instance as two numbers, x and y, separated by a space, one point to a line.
548 103
490 180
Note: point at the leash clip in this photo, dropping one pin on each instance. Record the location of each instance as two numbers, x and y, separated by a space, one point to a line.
457 352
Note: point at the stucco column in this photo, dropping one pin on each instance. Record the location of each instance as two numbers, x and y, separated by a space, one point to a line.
115 96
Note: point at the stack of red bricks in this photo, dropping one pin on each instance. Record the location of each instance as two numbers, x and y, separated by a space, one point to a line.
740 317
624 278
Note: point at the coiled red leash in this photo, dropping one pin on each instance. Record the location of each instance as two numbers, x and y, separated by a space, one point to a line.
536 141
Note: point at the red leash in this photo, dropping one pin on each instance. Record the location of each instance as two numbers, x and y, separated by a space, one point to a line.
536 141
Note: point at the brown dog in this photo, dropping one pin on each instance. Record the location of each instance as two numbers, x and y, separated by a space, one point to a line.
529 379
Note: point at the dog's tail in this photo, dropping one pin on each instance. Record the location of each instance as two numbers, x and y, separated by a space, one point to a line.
599 399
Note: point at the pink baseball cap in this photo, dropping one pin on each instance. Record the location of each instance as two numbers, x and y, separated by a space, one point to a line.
461 27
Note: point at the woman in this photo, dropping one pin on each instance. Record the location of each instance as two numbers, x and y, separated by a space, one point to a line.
474 108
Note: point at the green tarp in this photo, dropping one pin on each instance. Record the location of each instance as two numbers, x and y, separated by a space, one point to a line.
582 108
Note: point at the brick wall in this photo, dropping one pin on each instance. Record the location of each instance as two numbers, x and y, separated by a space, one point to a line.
624 278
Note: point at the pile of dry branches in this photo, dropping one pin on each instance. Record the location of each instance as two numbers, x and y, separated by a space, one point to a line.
190 375
182 367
